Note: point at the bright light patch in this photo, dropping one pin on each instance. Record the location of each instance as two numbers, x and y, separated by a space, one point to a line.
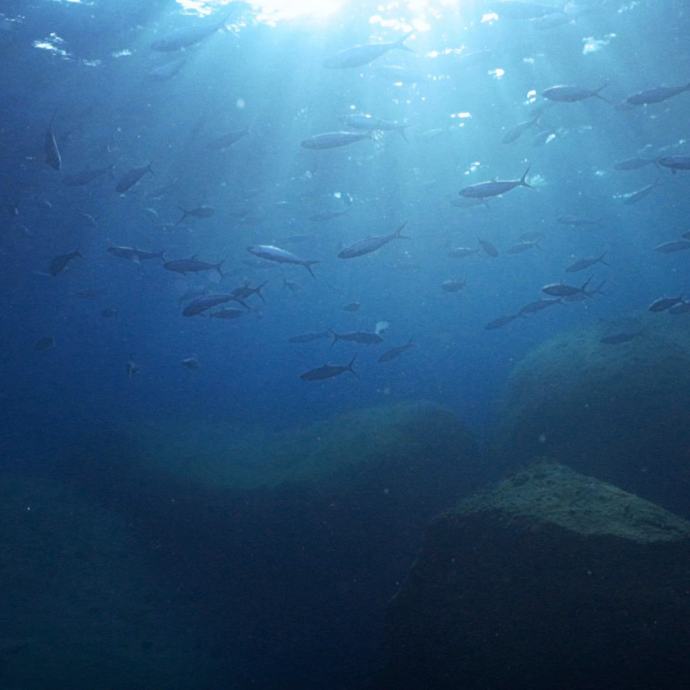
271 11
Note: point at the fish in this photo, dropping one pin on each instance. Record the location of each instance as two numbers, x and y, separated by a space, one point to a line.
331 140
369 123
462 252
270 252
674 163
245 291
132 368
656 95
682 307
539 305
523 246
633 163
133 254
202 304
532 236
639 194
371 244
582 264
45 343
226 140
484 190
620 338
671 247
500 322
167 70
328 371
131 177
84 177
515 132
686 235
453 285
361 337
228 313
326 215
309 337
664 303
577 221
488 248
395 352
563 290
51 150
188 37
352 306
59 263
192 265
291 285
190 363
572 94
197 212
363 54
109 313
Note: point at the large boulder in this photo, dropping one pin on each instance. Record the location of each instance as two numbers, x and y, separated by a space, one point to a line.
618 411
550 580
283 548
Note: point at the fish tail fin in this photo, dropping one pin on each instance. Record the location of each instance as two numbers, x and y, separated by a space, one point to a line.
597 94
185 213
308 265
218 268
401 131
601 259
523 179
400 43
259 288
585 285
150 169
334 335
350 367
398 233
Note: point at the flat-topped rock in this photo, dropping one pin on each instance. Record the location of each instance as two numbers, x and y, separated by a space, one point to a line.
549 580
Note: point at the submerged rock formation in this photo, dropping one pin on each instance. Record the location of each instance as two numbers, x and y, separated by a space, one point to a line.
282 549
550 580
617 410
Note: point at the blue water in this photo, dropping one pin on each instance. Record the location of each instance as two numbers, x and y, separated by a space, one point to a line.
86 65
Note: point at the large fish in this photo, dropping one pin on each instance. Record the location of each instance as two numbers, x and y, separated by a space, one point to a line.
484 190
563 290
59 263
539 305
395 352
671 247
582 264
572 94
639 194
633 163
500 322
674 163
270 252
328 371
200 305
369 123
656 95
192 265
133 254
359 55
197 212
131 177
371 244
332 140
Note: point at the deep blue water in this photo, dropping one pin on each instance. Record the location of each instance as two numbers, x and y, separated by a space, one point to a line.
87 66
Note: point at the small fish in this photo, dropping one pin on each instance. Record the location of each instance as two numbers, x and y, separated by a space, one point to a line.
633 163
462 252
51 150
309 337
369 123
539 305
534 236
84 177
664 303
331 140
395 352
371 244
167 70
228 313
198 212
582 264
133 254
639 194
577 221
361 337
563 290
484 190
572 94
453 285
524 246
500 322
488 248
59 263
352 306
132 368
225 141
657 95
326 215
619 338
202 304
192 265
43 344
515 132
89 219
328 371
680 308
190 363
246 291
109 313
291 285
671 247
674 163
131 177
359 55
270 252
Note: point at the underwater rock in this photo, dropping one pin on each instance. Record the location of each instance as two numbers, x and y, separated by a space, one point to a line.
549 580
618 409
287 545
